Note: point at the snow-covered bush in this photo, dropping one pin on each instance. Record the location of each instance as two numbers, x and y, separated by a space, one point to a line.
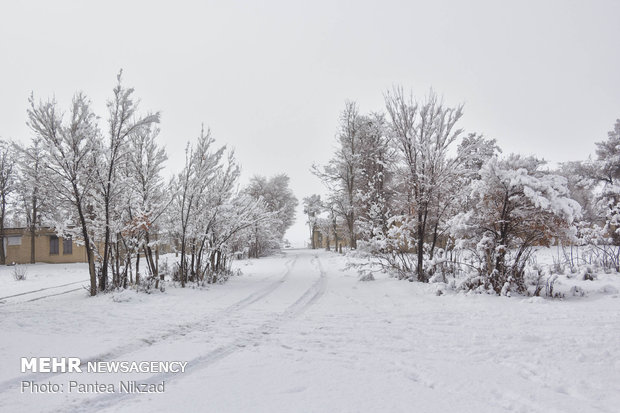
516 205
366 276
536 278
558 267
550 285
577 291
588 274
19 272
164 269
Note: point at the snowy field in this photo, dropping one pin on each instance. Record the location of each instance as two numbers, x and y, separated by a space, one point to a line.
298 333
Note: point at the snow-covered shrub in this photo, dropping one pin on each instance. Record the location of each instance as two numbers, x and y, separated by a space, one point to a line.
365 264
150 284
125 296
516 205
536 278
550 286
573 271
588 274
473 283
19 272
437 277
164 269
176 272
608 289
558 267
577 291
366 276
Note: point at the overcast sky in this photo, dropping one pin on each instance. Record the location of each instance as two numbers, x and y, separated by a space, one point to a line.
270 78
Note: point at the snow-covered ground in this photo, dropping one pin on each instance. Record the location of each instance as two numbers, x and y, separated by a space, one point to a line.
297 332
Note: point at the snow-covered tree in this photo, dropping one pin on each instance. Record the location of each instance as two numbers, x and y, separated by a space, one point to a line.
374 187
122 123
212 220
8 173
423 135
220 216
598 190
312 208
278 199
145 198
584 187
69 148
516 206
332 225
342 173
608 173
202 164
473 151
33 193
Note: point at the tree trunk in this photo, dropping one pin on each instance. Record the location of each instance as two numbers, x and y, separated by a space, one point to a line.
312 243
161 276
2 251
87 244
106 248
434 243
33 224
193 262
420 247
138 267
336 240
148 255
118 260
182 269
351 225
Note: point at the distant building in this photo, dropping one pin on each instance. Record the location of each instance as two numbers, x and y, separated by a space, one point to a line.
49 247
326 239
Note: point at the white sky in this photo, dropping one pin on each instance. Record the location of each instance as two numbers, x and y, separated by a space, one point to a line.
270 78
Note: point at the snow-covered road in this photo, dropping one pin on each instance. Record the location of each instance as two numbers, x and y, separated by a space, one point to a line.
297 332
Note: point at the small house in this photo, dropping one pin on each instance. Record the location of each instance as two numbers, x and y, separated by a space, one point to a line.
48 247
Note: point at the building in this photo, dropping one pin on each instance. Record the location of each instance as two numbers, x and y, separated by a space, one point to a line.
49 247
327 240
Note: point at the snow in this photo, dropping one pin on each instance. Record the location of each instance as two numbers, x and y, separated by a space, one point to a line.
39 276
298 332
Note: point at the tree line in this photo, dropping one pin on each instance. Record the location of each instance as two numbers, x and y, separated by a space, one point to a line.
106 189
425 199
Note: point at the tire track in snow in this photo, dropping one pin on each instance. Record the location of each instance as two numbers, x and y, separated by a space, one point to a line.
39 290
252 337
54 295
150 341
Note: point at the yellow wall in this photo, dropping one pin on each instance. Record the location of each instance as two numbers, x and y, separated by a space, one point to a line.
320 240
20 254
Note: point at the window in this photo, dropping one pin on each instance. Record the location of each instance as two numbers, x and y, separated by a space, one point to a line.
14 240
53 244
67 246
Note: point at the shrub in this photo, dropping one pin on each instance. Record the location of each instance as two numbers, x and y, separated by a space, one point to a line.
19 272
588 274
